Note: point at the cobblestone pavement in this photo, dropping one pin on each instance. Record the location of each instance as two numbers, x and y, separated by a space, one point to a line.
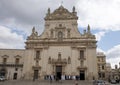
28 82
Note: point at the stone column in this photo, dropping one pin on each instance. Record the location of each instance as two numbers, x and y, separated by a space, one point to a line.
53 72
63 70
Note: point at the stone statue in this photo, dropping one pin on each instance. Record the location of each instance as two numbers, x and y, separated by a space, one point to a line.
33 30
73 8
48 11
88 29
34 33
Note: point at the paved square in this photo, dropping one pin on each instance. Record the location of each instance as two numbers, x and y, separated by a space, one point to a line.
30 82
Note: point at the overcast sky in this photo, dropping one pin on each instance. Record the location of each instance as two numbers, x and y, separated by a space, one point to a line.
17 17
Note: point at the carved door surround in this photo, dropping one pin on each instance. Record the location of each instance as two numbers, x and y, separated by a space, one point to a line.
58 62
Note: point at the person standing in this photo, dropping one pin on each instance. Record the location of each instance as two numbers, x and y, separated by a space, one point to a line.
50 78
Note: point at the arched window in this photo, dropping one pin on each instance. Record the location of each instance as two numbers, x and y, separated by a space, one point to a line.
4 60
51 33
49 60
82 54
68 33
37 54
60 35
69 60
17 60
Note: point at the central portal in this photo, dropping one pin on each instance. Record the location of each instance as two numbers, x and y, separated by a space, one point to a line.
58 72
82 75
35 74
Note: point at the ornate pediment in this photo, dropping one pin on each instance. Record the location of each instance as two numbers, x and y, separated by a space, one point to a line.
61 14
36 67
5 56
17 56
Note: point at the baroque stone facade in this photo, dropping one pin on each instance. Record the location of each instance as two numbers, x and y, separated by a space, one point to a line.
61 50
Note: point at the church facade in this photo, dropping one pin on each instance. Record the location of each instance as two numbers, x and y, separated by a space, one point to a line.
61 50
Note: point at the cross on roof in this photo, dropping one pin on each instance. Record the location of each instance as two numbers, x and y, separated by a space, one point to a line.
61 2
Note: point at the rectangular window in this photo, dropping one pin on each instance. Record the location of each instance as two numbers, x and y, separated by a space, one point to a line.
81 54
103 67
68 34
99 75
37 54
17 60
103 75
4 60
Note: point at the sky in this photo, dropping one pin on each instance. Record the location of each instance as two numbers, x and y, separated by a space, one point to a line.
17 18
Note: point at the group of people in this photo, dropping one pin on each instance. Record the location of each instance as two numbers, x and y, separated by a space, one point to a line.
63 77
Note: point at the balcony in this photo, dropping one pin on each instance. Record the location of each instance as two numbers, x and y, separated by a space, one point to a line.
59 61
10 64
81 58
36 67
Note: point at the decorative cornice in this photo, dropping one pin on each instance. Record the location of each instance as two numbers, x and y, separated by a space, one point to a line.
73 44
5 56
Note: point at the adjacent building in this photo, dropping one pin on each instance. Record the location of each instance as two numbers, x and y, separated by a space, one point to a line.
108 72
101 65
115 73
11 63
